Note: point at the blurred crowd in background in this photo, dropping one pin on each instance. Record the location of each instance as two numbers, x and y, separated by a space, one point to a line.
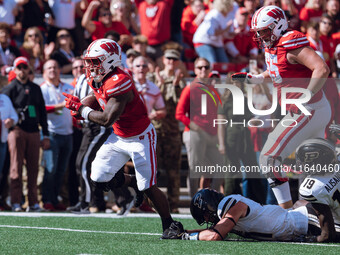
165 44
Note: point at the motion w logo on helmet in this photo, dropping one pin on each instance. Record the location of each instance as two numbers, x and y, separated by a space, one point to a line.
110 47
204 97
276 14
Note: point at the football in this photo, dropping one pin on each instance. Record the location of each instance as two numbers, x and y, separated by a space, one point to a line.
91 101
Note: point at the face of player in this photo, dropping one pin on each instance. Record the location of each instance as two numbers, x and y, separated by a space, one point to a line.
202 69
265 36
93 69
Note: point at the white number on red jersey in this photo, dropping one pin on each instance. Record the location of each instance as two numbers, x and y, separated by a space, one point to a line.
273 70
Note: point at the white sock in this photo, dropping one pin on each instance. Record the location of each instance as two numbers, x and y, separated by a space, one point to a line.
282 193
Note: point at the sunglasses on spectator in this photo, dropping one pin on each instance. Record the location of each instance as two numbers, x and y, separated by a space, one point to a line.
201 67
75 67
174 59
326 23
105 14
64 36
24 67
33 35
144 66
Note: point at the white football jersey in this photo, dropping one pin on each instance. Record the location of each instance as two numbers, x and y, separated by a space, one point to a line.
266 222
324 190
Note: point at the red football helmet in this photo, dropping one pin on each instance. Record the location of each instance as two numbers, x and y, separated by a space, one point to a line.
268 23
101 57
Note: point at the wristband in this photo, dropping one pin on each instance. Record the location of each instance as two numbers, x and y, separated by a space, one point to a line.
85 111
312 93
194 236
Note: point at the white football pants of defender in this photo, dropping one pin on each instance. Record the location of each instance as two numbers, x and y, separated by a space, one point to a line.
116 151
285 139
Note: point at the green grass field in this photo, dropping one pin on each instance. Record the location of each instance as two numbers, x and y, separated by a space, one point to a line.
106 234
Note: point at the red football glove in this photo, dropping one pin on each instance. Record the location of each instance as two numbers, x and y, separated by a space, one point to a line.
72 102
76 115
241 77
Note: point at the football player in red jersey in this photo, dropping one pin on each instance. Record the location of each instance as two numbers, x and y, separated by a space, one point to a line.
134 136
291 62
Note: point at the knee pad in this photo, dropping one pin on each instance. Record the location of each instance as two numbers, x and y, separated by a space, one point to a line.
116 182
272 170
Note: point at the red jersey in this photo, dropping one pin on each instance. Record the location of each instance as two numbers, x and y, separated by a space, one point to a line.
134 119
101 30
285 74
155 20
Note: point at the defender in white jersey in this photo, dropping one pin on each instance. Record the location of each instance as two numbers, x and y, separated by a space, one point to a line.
248 218
321 187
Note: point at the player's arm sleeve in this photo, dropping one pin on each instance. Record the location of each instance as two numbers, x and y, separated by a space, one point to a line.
294 40
124 85
225 205
183 107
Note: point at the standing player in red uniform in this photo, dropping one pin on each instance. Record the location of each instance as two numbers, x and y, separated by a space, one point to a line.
291 62
133 137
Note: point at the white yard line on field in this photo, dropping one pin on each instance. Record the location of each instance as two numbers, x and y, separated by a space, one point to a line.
92 215
136 233
80 230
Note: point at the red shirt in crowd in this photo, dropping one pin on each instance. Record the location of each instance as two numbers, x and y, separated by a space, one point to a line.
100 31
188 25
189 108
328 48
310 14
155 20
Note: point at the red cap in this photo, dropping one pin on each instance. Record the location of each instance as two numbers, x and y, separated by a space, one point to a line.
11 76
243 10
214 73
20 60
